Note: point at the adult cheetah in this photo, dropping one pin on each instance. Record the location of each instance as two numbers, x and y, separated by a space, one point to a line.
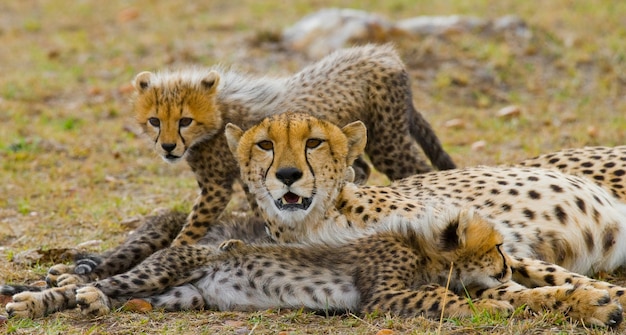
184 113
300 178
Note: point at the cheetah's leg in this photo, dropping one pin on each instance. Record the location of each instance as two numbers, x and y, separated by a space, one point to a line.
585 303
179 298
157 232
429 300
164 269
206 210
38 304
533 273
94 302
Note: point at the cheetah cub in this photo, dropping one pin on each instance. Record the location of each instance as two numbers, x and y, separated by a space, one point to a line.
400 267
184 113
295 165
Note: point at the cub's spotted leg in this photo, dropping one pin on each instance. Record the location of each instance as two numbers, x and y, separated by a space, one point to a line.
429 300
585 303
533 273
216 171
94 302
158 272
156 233
38 304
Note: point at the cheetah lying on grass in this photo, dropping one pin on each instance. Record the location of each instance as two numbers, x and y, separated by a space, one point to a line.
401 267
302 187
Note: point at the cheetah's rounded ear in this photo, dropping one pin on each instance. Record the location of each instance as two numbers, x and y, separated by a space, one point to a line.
356 132
233 135
210 81
142 81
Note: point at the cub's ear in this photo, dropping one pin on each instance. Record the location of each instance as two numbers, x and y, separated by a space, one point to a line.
469 231
233 135
142 81
210 81
356 133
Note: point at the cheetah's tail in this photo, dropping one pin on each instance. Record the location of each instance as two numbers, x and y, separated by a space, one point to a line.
15 289
425 135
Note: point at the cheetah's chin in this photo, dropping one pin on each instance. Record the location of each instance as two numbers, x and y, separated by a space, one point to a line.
293 202
171 158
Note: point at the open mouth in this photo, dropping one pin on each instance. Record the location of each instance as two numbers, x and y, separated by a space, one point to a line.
172 158
291 202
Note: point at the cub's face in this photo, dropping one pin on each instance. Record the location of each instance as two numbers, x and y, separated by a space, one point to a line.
295 164
177 110
479 259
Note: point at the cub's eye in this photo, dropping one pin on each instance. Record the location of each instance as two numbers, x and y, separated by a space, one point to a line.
154 122
313 143
266 145
184 122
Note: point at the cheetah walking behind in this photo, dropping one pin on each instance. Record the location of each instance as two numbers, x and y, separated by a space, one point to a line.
184 113
400 268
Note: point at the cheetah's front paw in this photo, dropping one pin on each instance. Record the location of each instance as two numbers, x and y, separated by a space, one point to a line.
92 301
594 307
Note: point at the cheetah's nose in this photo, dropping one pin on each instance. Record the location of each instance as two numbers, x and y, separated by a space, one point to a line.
168 146
288 175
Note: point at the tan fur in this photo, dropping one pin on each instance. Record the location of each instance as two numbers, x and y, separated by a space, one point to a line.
184 113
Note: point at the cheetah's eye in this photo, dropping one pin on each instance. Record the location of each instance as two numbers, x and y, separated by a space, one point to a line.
155 122
184 122
266 145
313 143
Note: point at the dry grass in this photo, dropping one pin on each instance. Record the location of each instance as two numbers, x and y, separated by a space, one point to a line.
72 167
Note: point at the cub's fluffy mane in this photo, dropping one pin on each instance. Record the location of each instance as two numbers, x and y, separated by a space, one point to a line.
252 91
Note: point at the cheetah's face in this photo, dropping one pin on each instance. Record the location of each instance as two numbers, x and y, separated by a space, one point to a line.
479 259
294 164
175 113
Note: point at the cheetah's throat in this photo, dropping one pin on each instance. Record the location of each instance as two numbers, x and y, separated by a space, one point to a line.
292 202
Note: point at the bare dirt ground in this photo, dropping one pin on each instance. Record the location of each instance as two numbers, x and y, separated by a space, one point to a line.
74 169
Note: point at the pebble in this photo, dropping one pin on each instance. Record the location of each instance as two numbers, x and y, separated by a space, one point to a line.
479 145
455 124
509 112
